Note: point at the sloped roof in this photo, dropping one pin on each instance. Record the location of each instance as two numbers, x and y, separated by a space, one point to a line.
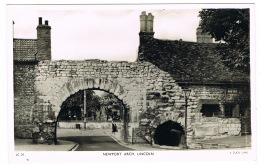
190 61
24 49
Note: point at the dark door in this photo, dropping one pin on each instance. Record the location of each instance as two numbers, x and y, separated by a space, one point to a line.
245 125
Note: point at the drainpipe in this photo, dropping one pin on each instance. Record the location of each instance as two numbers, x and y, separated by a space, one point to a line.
186 107
85 110
125 124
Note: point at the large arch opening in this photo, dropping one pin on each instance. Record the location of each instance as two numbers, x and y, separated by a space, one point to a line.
102 110
169 133
101 106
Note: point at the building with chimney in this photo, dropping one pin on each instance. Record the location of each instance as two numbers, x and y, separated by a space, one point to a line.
27 53
33 50
221 92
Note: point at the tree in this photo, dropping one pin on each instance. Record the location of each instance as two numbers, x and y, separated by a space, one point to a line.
232 27
71 107
112 105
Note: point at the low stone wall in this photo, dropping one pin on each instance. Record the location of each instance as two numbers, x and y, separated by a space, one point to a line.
89 125
24 131
214 127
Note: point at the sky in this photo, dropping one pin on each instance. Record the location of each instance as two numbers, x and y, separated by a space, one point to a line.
106 32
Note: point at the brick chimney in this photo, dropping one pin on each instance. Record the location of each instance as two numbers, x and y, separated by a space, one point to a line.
43 41
203 37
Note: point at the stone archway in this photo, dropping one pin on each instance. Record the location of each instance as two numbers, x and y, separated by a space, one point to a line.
74 86
140 85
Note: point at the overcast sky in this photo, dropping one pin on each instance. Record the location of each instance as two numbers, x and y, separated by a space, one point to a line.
102 32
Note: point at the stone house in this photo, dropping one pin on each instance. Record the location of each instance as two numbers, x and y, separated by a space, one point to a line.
222 95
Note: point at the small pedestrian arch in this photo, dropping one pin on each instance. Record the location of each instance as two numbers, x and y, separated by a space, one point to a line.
169 133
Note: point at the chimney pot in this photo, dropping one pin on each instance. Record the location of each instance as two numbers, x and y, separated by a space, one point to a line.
46 22
40 20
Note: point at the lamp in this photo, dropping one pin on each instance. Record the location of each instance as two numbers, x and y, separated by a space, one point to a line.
186 93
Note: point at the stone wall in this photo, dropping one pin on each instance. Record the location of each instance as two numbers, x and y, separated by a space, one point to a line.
139 85
201 127
89 125
24 99
214 127
217 92
56 80
148 94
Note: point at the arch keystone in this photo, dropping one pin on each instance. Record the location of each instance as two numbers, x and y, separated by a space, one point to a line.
97 82
90 83
107 85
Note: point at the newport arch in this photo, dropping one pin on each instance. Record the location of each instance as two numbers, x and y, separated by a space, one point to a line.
141 86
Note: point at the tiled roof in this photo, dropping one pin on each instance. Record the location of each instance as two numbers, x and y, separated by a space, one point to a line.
24 49
190 61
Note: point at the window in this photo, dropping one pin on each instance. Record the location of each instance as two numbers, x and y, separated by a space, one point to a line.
229 110
210 110
232 110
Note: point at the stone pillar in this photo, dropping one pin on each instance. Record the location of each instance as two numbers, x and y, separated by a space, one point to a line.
222 109
43 41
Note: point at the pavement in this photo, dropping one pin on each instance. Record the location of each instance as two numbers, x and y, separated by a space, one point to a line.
137 147
28 145
234 142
